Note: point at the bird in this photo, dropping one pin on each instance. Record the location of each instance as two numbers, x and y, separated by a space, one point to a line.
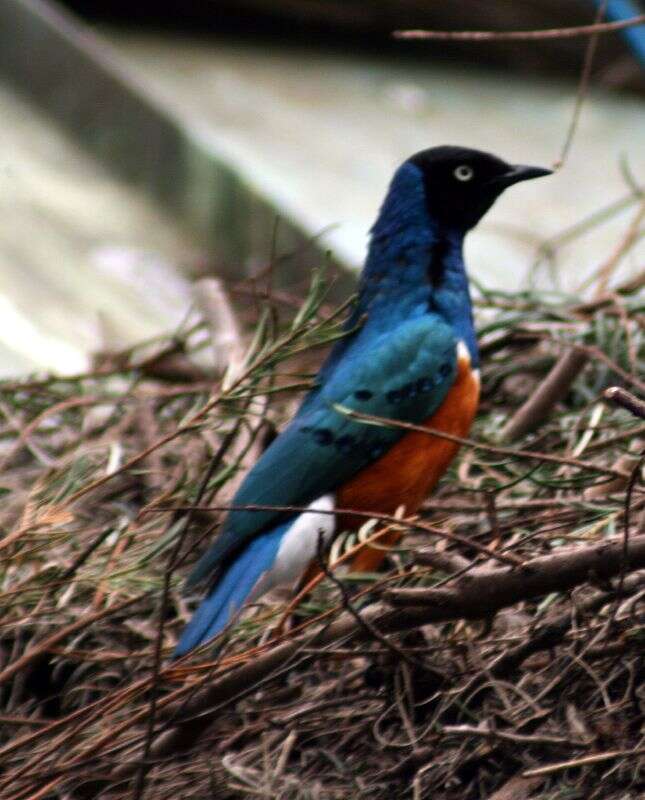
409 354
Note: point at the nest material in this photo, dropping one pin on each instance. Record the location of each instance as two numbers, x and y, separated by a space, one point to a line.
112 480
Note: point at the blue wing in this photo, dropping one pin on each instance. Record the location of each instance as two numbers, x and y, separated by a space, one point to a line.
402 374
230 593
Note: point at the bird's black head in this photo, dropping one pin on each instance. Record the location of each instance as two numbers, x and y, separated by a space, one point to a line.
462 184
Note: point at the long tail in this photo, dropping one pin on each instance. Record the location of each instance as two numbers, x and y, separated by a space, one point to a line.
232 590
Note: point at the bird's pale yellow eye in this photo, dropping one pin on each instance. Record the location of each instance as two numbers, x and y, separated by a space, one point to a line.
464 172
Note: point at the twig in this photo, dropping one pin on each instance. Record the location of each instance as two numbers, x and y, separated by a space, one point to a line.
41 792
87 552
517 788
500 451
485 591
605 270
509 736
627 462
626 400
601 300
446 562
595 353
583 86
25 433
163 607
413 523
584 761
552 389
633 480
520 36
368 627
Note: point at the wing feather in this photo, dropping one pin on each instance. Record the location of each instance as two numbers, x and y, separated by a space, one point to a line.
403 374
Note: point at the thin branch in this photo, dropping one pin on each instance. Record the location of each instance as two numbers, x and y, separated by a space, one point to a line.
484 591
368 627
604 272
500 451
583 87
165 599
596 758
551 390
409 522
522 36
519 738
626 400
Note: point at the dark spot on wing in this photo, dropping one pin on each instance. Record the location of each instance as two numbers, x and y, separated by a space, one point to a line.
323 436
345 444
409 390
363 394
412 389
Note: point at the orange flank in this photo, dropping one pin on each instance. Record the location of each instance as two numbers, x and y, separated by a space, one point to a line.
411 468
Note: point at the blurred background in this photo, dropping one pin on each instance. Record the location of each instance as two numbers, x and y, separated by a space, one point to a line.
145 144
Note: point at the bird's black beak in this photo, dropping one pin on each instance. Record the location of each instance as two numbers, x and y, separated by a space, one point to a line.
520 172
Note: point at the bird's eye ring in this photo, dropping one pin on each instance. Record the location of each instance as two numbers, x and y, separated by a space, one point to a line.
464 172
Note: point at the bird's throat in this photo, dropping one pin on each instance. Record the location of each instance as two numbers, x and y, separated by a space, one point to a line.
444 254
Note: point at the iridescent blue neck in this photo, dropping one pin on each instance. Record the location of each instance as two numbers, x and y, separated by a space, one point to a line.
413 267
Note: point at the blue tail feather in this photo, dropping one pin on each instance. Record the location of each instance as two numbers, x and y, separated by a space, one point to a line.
230 592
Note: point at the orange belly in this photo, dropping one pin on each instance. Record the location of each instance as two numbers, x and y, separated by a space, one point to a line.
411 468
